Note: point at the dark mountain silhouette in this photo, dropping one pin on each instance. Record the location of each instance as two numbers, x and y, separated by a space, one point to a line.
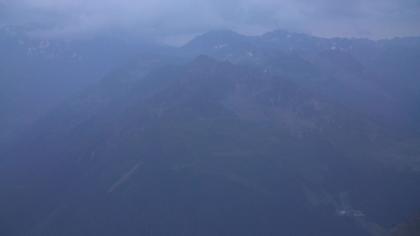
282 134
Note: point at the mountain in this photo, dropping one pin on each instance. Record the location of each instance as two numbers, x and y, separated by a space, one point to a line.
409 228
363 73
38 74
228 135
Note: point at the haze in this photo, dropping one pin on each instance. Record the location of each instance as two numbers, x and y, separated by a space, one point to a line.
209 117
177 21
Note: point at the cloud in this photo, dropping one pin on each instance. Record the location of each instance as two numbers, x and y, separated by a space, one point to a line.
177 18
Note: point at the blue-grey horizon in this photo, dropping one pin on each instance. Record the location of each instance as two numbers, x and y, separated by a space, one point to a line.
176 20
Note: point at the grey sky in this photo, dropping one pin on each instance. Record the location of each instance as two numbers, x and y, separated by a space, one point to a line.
175 19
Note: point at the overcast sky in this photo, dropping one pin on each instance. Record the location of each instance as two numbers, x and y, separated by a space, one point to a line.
174 19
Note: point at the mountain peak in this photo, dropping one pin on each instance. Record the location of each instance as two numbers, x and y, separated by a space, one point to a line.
221 34
280 33
217 39
203 59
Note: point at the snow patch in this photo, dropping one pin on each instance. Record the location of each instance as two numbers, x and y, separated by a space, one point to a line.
220 46
351 213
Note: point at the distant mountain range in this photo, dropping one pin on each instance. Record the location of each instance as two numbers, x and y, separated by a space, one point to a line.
279 134
38 74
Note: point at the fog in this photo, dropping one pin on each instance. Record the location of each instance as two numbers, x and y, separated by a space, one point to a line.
177 20
108 129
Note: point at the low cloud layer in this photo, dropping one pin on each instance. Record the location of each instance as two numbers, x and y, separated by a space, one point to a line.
175 19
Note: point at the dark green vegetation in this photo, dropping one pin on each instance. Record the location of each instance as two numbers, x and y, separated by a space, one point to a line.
282 134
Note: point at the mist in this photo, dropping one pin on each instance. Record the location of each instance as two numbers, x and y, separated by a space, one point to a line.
209 117
180 20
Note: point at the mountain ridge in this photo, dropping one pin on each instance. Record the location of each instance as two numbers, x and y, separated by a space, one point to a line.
272 143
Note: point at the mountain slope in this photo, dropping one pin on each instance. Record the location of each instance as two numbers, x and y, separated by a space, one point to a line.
38 74
210 146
